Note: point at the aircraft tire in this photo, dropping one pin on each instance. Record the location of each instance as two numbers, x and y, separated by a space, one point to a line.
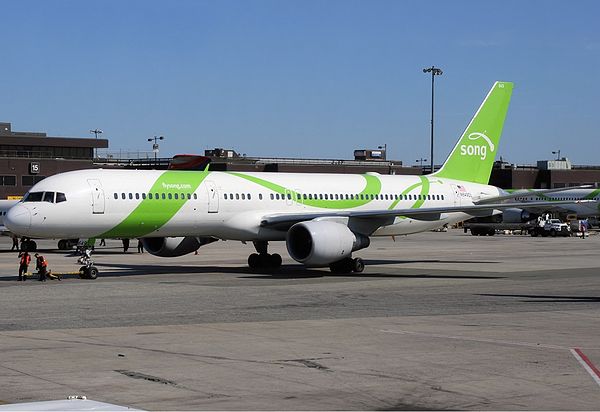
254 261
275 260
29 245
359 265
92 272
553 233
345 265
62 244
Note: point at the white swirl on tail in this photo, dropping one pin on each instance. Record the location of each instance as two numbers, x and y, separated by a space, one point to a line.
477 135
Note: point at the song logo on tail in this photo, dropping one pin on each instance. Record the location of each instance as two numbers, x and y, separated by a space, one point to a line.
477 150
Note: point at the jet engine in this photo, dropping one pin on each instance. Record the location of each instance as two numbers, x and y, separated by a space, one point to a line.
515 215
320 243
174 246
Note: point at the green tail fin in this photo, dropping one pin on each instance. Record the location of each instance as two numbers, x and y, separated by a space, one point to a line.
473 156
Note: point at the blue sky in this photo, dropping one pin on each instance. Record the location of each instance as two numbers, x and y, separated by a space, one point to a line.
302 78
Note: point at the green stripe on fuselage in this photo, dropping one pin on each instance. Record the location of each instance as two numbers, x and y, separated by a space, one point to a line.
152 214
372 188
424 184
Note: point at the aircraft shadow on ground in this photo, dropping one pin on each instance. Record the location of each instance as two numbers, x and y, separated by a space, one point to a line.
285 272
407 261
547 298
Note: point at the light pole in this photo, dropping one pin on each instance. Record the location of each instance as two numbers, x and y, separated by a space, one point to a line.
421 160
155 146
96 132
557 153
435 71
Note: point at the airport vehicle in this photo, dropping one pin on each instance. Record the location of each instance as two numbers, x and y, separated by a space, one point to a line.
550 227
323 218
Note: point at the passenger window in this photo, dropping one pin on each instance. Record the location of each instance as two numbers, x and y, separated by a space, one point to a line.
225 196
149 195
243 196
304 196
189 196
195 196
249 197
260 196
163 196
310 196
289 196
130 196
176 195
116 196
237 196
137 196
170 196
272 196
123 196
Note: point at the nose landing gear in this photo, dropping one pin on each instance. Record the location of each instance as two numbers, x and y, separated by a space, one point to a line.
88 270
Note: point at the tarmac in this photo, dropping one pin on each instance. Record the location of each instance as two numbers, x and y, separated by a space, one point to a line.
436 321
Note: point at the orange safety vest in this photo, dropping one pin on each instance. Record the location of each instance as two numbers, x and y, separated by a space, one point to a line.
25 259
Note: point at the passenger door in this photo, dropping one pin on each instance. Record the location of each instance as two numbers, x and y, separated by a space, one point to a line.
97 196
213 197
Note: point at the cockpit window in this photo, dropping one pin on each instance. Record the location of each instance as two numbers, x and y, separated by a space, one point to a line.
49 197
33 197
45 197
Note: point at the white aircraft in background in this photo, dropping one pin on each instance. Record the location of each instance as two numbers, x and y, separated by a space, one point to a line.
4 206
323 218
585 201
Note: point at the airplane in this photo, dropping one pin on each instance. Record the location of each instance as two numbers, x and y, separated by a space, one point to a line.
5 204
323 218
590 193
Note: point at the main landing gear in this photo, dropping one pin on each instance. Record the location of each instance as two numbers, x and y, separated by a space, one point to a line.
347 265
262 259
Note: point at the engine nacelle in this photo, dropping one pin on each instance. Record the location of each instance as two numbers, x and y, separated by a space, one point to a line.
515 215
174 246
319 243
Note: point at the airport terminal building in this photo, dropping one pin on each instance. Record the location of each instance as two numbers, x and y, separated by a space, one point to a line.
28 157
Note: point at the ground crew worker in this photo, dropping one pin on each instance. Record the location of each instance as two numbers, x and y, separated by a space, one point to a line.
140 246
24 260
42 267
125 245
15 244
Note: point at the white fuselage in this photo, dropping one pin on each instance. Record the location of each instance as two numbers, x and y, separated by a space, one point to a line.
590 206
226 205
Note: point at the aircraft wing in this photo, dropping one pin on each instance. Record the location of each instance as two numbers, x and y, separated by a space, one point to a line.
528 192
283 220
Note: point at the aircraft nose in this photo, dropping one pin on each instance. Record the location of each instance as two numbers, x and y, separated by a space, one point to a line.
18 219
